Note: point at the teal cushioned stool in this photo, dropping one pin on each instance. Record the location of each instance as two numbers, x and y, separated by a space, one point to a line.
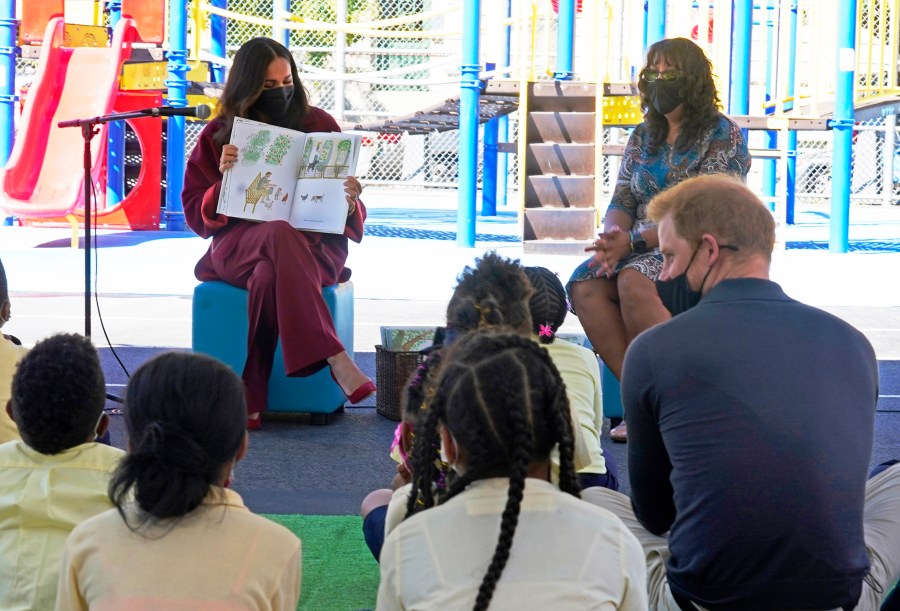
220 329
612 393
610 389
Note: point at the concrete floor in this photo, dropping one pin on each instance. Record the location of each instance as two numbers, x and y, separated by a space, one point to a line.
404 273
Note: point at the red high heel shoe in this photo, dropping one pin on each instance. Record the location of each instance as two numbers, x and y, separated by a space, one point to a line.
363 392
253 424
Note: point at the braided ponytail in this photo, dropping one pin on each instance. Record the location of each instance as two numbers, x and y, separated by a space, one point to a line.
503 400
548 305
522 442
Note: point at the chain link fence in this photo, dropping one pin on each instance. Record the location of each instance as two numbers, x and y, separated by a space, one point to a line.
875 164
412 63
404 65
401 68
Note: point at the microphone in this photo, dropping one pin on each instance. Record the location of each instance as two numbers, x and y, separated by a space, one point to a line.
201 111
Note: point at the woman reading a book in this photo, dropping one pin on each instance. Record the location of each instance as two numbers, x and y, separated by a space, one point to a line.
283 269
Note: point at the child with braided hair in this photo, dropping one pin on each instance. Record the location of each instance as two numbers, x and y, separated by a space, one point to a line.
384 508
499 408
580 371
493 292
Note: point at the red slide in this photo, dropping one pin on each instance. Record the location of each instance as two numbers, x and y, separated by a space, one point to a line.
44 175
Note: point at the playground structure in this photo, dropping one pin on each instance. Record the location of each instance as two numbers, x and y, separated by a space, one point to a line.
369 60
79 76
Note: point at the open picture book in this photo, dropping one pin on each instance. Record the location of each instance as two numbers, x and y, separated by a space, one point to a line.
283 174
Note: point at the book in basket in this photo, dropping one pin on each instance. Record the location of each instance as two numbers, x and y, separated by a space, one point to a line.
283 174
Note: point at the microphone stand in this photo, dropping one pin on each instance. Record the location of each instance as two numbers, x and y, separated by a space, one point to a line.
89 129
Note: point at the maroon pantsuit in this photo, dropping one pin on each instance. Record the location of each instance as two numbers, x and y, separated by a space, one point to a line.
283 270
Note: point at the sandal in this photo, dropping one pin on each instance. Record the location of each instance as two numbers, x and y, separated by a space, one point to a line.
619 434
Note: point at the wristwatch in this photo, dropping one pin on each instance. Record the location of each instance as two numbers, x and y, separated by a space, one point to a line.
638 243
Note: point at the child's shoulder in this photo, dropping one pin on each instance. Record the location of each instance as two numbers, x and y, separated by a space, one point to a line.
269 532
98 455
9 449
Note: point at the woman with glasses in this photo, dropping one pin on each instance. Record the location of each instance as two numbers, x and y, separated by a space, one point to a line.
684 134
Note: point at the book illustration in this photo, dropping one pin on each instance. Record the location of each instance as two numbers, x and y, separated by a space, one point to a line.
264 190
272 197
314 199
253 150
406 339
327 157
344 148
289 175
316 158
279 150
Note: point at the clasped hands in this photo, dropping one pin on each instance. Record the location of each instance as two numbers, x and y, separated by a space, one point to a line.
609 248
352 187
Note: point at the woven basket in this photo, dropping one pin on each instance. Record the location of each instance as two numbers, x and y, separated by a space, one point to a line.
392 373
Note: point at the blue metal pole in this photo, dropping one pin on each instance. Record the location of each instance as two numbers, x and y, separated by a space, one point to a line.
115 135
768 180
8 96
283 34
470 88
656 22
842 124
177 96
489 168
218 31
489 158
502 161
739 104
565 40
791 178
503 123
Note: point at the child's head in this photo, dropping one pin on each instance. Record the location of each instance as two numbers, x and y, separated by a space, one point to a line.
186 421
548 304
58 393
499 408
495 292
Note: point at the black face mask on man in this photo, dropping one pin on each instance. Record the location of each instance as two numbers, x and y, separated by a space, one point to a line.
676 293
274 103
664 96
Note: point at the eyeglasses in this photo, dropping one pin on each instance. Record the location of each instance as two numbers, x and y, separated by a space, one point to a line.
667 76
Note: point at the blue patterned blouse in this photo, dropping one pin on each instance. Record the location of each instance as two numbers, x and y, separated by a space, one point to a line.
642 174
721 149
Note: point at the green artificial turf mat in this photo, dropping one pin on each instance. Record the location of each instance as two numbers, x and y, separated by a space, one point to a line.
339 572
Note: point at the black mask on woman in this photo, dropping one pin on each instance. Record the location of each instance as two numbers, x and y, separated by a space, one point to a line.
274 103
664 96
676 294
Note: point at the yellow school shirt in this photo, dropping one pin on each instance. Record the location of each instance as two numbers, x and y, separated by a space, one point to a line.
42 498
10 355
220 556
580 371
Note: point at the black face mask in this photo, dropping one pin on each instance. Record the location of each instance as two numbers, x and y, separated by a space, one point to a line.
274 103
676 294
664 96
